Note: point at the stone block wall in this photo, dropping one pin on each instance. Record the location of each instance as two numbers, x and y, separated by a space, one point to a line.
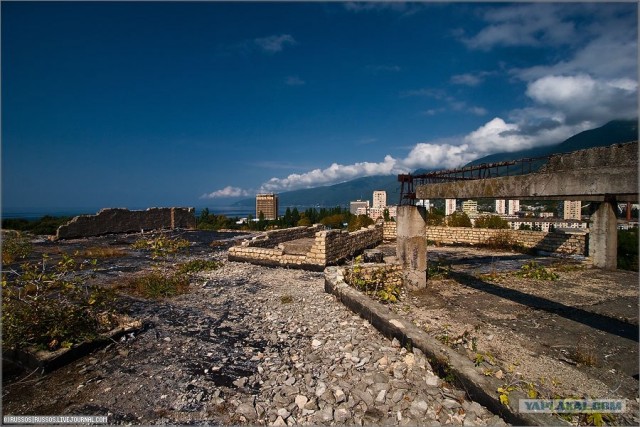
329 247
273 238
118 220
556 241
389 230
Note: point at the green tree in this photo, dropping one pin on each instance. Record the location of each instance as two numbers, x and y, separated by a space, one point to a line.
386 216
358 222
524 226
491 221
334 221
458 219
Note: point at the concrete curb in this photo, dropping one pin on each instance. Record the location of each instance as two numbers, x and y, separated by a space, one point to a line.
480 388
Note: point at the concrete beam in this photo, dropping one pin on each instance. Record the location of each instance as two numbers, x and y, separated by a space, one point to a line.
589 175
411 246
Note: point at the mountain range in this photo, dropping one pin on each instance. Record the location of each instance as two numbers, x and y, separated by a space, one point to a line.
614 132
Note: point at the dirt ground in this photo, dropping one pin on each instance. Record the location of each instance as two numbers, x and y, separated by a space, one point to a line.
576 336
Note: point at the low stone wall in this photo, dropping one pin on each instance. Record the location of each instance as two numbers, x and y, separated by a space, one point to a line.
329 247
273 238
556 241
119 220
389 230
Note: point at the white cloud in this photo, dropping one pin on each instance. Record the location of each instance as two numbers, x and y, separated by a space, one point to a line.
470 79
525 25
294 81
228 191
333 174
582 98
273 44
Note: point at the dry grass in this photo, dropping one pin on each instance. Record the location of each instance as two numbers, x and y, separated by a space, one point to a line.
102 252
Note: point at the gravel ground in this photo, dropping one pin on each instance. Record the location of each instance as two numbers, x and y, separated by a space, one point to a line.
251 345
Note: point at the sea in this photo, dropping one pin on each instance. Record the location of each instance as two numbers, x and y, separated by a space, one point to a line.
33 214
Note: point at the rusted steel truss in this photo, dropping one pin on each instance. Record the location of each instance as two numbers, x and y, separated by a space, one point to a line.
409 182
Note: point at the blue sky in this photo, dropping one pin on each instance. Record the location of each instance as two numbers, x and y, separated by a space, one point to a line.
138 104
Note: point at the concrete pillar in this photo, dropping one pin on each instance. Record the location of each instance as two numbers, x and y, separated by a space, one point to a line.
412 245
603 237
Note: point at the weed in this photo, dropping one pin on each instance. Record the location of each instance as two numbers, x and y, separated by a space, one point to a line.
52 306
586 357
286 299
197 265
156 285
101 252
532 270
14 246
380 283
438 270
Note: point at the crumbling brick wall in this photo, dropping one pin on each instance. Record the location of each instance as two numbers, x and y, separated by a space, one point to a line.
329 247
118 220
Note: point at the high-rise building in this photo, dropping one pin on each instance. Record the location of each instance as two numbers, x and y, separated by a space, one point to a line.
572 209
268 205
355 205
379 199
501 206
514 206
470 207
449 206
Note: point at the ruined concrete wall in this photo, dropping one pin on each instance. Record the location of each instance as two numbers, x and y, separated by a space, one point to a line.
271 239
119 220
557 241
329 247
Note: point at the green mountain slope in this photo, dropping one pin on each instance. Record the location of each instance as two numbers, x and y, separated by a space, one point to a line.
614 132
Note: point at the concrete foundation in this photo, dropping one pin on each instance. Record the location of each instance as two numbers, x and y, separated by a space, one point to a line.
411 246
603 237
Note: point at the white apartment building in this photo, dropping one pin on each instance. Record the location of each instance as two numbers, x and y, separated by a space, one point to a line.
379 199
501 206
572 209
357 204
470 207
514 206
449 206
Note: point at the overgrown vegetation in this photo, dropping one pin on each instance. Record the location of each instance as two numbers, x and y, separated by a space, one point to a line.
504 240
15 246
458 219
52 306
198 265
46 225
491 221
157 284
533 270
359 221
164 281
628 249
380 283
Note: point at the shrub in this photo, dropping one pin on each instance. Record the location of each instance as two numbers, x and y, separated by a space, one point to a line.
491 221
359 221
52 307
156 285
14 246
458 219
197 265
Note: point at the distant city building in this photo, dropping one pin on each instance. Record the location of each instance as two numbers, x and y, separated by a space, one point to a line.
514 206
449 206
571 209
425 203
545 214
470 207
379 199
357 204
268 205
547 224
501 206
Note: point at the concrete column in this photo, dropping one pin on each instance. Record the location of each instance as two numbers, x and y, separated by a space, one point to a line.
603 237
412 245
